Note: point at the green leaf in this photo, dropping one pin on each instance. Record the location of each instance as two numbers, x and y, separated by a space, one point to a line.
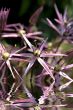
24 7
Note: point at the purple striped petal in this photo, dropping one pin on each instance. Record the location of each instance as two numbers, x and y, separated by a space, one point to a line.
10 35
67 67
23 103
17 51
31 63
33 34
35 37
22 33
65 15
17 73
22 55
51 54
58 13
53 26
2 65
9 66
19 59
65 85
43 45
45 66
65 76
59 22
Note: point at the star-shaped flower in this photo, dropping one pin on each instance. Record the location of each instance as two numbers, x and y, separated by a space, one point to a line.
6 57
39 54
65 25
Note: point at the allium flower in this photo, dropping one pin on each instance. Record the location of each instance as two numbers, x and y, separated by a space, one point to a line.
14 30
58 71
7 30
34 35
3 21
3 18
6 57
65 25
39 54
20 32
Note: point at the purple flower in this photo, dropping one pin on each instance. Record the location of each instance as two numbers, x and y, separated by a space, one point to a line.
62 20
7 30
14 30
6 57
3 18
39 54
4 13
65 25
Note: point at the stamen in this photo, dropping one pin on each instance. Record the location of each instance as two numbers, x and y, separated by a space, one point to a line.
5 55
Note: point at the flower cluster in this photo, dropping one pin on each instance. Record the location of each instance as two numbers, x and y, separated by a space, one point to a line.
35 53
30 52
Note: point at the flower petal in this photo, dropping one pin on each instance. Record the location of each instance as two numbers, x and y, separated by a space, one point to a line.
53 26
33 34
2 65
58 13
19 59
7 35
9 66
17 72
59 22
31 63
22 55
65 76
19 50
43 54
43 45
65 15
67 67
65 85
45 66
22 33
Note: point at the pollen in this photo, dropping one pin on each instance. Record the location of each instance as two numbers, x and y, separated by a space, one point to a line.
5 55
50 45
22 32
37 52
